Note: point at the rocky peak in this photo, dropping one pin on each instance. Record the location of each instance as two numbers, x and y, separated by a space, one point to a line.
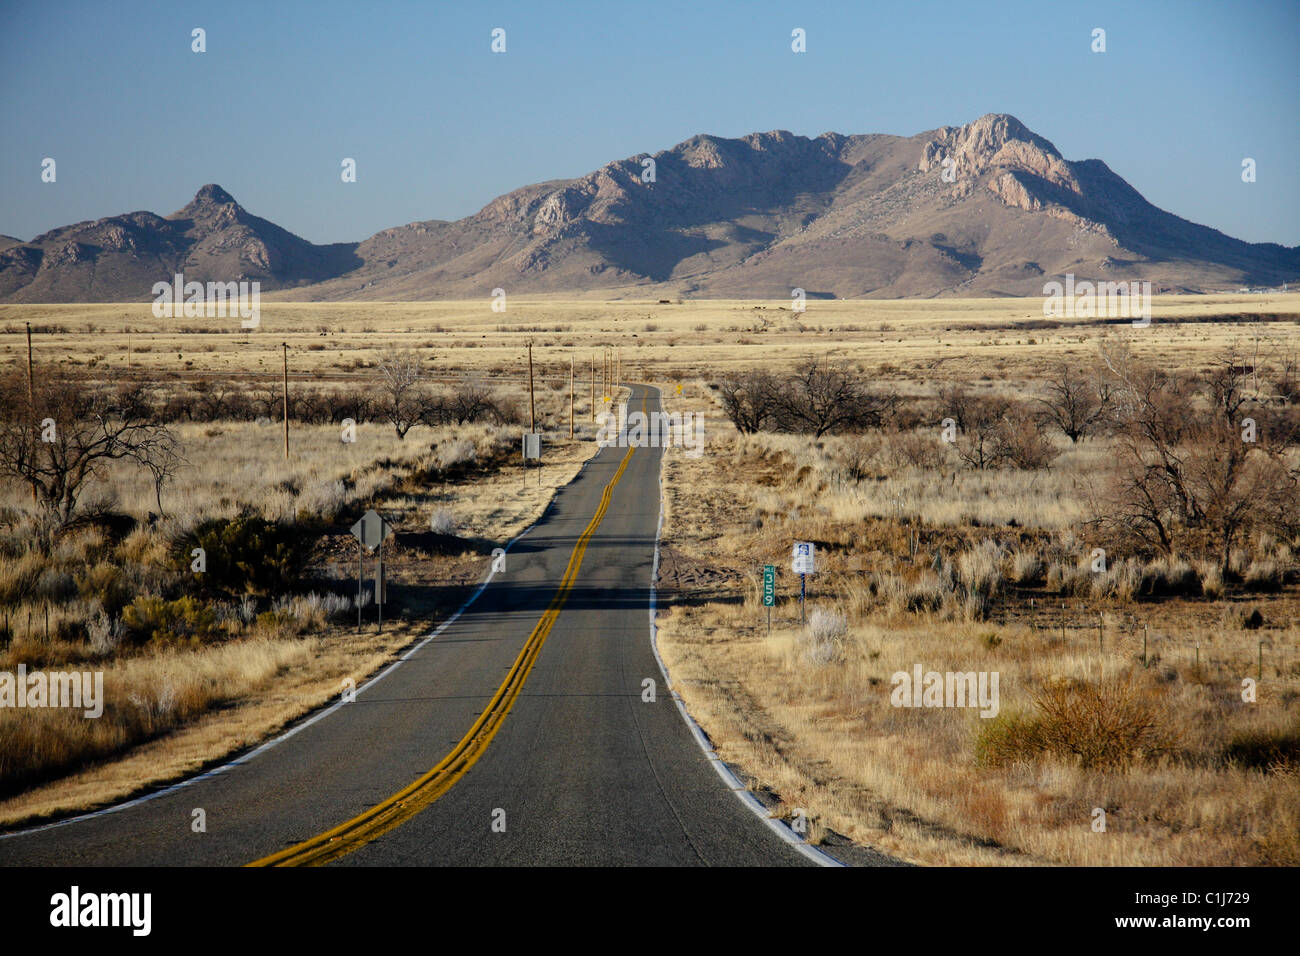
213 194
211 203
996 141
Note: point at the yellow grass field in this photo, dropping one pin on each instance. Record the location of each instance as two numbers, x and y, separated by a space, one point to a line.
896 340
928 786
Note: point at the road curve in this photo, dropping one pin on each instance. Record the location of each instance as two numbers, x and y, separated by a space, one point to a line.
579 771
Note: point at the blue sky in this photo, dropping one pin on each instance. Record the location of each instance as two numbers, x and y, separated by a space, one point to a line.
439 125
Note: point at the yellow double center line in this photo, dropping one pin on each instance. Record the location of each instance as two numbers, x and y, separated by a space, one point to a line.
403 805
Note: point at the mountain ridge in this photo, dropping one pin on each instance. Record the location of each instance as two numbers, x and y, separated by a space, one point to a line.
988 208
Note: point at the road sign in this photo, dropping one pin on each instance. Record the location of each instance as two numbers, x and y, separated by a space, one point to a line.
803 558
533 445
371 530
769 585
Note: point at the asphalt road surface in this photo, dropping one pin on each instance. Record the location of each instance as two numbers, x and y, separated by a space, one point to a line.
579 771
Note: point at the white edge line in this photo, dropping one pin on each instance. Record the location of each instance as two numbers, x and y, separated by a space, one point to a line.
733 783
276 741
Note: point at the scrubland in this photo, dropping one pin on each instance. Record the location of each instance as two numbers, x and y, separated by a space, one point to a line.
1120 689
200 664
1153 690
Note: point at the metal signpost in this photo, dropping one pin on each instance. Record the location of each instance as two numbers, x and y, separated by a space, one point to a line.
370 533
803 563
769 593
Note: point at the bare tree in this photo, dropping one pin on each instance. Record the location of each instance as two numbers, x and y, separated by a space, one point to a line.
749 399
163 460
469 402
1232 381
953 399
1190 471
1022 443
1287 380
70 430
1076 403
404 403
981 444
822 397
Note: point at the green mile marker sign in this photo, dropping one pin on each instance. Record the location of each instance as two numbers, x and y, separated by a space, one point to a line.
769 585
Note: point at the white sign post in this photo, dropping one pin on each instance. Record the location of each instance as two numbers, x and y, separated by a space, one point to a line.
803 562
803 558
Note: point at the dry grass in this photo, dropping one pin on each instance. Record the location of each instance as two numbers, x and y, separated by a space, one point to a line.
905 575
974 340
1187 772
171 709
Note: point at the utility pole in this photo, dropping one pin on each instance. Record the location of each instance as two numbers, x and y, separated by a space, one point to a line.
31 400
285 346
532 404
128 350
570 397
593 387
29 362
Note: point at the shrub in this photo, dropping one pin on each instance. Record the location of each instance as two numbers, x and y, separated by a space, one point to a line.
1070 579
55 586
247 554
1106 725
1007 738
1264 749
103 633
1120 580
1024 445
1026 569
154 620
854 458
926 593
442 522
1102 725
106 585
823 637
1169 577
919 449
302 613
1211 580
1263 576
980 569
322 501
18 577
454 453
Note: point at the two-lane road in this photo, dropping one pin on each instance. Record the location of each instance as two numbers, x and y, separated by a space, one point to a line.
535 691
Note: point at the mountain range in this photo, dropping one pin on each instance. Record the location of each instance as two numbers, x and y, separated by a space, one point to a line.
985 209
